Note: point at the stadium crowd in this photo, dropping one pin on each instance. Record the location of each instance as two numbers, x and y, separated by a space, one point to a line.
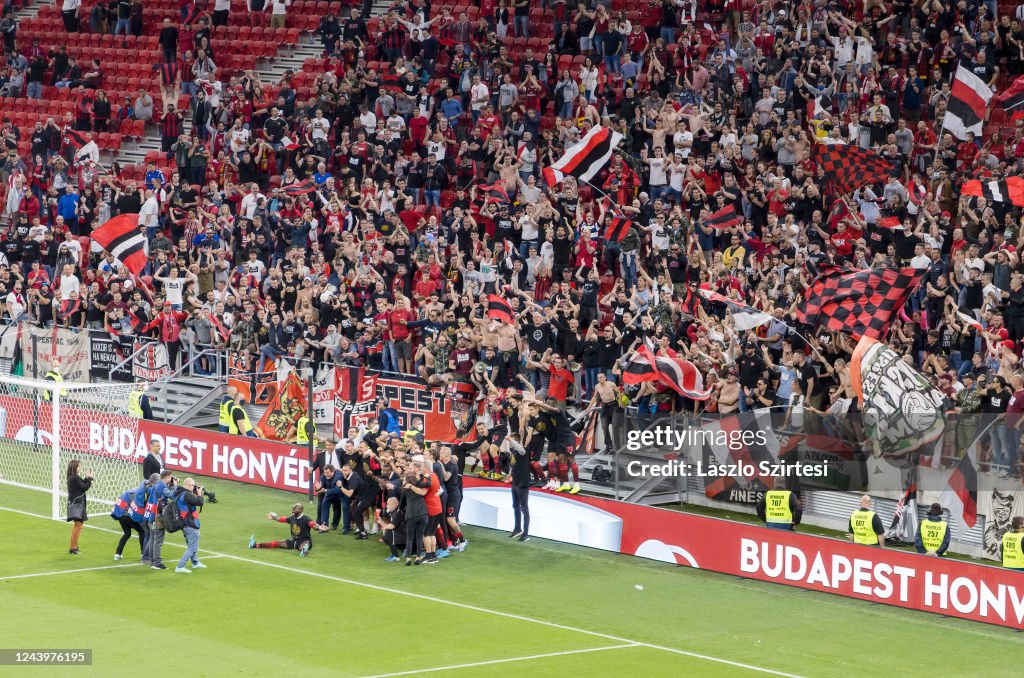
368 224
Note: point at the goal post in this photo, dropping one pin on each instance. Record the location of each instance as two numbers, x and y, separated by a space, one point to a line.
45 424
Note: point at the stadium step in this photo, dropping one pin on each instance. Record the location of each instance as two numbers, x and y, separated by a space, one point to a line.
289 59
179 399
29 10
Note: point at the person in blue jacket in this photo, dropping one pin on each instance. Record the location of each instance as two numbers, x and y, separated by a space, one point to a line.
139 507
387 417
120 514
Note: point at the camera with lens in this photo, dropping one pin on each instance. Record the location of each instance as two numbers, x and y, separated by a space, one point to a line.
210 495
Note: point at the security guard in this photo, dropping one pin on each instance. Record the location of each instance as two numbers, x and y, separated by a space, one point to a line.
240 424
780 509
54 375
1013 545
303 427
138 402
933 533
866 526
226 403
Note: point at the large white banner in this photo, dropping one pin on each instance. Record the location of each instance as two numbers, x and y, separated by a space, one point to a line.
324 388
41 348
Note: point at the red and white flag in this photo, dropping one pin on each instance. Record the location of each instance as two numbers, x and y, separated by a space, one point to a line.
585 159
968 104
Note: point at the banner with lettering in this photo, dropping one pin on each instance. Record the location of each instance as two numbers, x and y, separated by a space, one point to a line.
70 348
359 389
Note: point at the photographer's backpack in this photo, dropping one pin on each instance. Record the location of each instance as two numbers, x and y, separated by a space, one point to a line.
173 522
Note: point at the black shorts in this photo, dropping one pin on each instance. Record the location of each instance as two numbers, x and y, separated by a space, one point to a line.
454 504
433 522
568 448
297 544
497 437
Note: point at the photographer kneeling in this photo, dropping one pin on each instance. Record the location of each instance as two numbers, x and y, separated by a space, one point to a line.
190 501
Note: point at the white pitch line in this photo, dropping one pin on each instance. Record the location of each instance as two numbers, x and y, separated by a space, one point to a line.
81 569
474 608
503 661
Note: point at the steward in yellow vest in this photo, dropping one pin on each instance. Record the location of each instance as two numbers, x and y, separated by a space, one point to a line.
227 402
780 509
865 525
54 376
135 401
933 533
303 427
240 424
1013 546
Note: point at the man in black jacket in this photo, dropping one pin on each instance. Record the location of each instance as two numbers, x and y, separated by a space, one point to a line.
392 519
361 495
520 487
435 180
153 463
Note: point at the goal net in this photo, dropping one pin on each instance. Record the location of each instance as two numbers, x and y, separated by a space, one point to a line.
44 425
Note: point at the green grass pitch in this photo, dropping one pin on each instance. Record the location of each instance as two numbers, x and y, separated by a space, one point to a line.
499 609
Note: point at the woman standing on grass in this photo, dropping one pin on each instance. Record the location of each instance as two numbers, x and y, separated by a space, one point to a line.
77 487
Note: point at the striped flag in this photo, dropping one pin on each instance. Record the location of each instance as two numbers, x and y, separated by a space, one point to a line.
585 159
586 438
495 192
74 138
1010 190
969 321
968 103
744 317
499 309
638 370
618 229
121 237
724 218
678 374
390 82
903 528
299 188
961 493
1012 100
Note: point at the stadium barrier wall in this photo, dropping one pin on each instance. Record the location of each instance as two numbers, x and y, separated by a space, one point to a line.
187 450
889 577
955 588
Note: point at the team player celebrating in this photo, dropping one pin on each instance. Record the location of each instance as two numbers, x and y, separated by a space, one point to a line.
300 526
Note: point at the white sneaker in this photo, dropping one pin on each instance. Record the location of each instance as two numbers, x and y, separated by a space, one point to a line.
118 556
198 566
183 570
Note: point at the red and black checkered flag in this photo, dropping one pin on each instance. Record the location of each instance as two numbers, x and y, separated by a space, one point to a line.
849 167
863 303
